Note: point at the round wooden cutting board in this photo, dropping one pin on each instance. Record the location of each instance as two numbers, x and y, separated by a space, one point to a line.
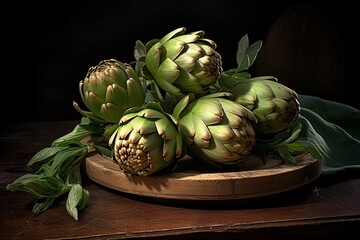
253 178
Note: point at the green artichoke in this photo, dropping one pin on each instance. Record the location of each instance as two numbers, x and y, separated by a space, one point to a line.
146 141
182 63
275 106
110 88
216 129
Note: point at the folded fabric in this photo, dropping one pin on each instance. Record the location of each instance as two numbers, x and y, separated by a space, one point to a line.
334 129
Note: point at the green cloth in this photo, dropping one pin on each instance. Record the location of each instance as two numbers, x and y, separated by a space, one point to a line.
334 128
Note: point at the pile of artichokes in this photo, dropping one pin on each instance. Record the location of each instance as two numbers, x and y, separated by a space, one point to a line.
174 100
177 100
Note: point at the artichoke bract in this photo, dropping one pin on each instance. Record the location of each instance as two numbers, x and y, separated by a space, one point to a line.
182 63
216 129
110 88
275 105
146 141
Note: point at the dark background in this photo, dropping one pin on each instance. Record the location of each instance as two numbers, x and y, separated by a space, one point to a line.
49 47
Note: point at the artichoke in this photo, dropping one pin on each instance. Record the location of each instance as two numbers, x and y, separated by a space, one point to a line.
275 106
146 141
182 63
216 129
110 88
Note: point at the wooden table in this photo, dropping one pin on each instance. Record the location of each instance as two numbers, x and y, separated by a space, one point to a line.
328 207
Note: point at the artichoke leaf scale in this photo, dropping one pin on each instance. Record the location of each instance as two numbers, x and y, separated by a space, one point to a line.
127 117
143 126
116 95
211 111
236 147
266 107
94 84
172 34
150 114
173 48
189 86
118 77
233 120
282 106
222 132
165 128
168 71
155 155
151 141
217 153
93 102
124 130
204 78
194 50
179 151
199 33
82 91
230 106
134 137
187 128
185 62
185 38
130 72
135 95
264 93
169 150
169 88
271 117
208 50
202 134
208 42
110 112
153 57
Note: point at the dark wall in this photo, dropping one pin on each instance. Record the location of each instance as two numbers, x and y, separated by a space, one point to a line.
52 45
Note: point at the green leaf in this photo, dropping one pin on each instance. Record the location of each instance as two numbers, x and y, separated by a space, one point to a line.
252 52
67 155
109 130
38 186
79 133
74 175
85 128
288 143
180 106
88 114
286 154
139 50
41 207
45 155
304 146
92 126
77 200
241 52
246 55
103 150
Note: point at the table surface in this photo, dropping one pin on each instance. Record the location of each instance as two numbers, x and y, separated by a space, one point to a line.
327 207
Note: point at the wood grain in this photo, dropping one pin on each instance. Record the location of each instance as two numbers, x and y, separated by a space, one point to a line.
327 208
251 179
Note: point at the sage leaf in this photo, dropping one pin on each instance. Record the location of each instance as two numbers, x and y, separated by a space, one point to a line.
252 52
38 186
45 155
76 135
103 150
77 200
67 155
304 146
285 154
40 207
241 52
